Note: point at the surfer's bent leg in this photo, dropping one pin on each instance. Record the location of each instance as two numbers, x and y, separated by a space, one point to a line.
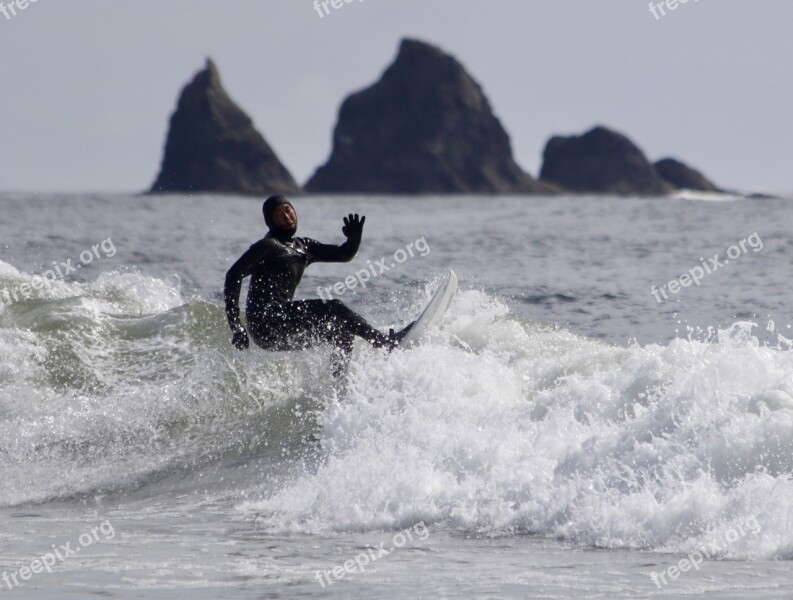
295 325
335 316
301 324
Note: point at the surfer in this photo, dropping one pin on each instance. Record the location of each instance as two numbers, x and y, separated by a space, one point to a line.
276 264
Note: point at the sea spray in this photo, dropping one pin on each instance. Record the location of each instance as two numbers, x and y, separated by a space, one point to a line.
507 427
496 425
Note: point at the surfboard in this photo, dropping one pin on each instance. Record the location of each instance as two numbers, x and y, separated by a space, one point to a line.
433 313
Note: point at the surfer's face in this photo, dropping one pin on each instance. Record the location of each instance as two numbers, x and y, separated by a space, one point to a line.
285 217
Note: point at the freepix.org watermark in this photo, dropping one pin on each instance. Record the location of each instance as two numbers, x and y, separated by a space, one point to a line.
659 9
10 10
697 274
695 559
359 563
323 6
58 555
60 270
374 269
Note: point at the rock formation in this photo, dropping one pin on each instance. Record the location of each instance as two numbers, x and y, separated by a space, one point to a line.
681 176
425 127
600 161
213 146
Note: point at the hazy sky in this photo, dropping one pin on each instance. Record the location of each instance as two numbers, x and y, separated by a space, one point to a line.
88 85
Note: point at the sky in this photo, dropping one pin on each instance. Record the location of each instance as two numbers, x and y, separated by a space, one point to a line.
87 86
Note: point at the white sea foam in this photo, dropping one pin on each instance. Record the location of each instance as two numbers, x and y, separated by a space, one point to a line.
502 426
495 425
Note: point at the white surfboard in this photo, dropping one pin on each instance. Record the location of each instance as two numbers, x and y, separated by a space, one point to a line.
433 313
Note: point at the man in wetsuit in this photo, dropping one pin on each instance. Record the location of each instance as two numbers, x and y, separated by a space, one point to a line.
276 264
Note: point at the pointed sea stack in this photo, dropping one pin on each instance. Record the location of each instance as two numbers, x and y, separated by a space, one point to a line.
682 177
426 127
601 161
213 146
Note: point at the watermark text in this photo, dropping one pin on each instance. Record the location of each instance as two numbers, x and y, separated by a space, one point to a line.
323 6
697 274
659 9
695 559
360 562
59 271
10 10
58 555
374 269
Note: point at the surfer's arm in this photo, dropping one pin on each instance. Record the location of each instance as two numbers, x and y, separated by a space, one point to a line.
352 230
239 271
332 253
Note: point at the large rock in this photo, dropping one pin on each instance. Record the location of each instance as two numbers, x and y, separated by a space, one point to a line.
600 161
682 177
425 127
213 146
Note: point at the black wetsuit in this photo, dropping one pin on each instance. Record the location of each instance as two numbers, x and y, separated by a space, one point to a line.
276 322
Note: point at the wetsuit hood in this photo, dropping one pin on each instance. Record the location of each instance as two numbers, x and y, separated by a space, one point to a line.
268 209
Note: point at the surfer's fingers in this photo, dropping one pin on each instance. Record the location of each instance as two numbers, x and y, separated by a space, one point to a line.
363 220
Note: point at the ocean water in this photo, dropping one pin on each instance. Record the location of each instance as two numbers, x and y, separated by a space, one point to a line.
562 435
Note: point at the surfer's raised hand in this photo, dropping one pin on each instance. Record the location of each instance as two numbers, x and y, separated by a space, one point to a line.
353 226
240 339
